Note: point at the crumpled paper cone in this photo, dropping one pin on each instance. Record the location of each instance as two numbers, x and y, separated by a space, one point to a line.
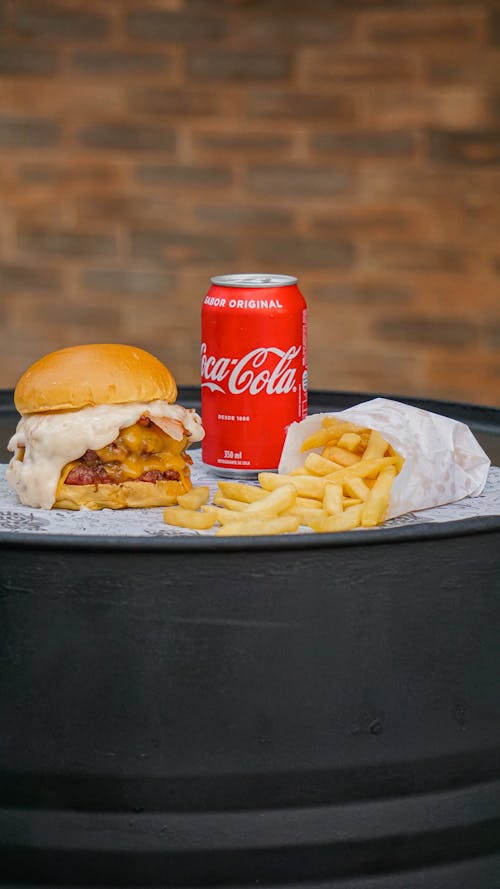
443 460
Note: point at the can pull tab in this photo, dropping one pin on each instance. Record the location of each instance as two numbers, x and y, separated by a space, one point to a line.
257 280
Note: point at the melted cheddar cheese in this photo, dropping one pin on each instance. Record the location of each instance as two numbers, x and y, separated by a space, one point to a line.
138 449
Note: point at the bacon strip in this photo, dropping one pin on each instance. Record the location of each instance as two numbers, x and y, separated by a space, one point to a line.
174 428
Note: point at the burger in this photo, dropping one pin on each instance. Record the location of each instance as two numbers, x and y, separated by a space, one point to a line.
100 429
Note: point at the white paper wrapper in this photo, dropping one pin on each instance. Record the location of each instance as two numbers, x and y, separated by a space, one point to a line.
443 460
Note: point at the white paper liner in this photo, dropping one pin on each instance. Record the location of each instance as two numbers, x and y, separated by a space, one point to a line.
443 460
146 523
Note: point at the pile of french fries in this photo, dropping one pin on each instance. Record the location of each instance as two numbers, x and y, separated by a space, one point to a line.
344 483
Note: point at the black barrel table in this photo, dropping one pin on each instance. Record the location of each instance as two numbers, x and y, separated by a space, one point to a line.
307 710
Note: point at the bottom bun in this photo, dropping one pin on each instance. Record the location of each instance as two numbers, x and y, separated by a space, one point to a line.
138 495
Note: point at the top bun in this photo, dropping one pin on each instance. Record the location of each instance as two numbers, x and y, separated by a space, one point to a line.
84 376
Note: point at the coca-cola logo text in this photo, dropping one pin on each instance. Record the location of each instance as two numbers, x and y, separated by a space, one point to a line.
263 369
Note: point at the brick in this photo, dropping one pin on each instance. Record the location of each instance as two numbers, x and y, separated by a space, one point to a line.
454 107
494 27
390 144
231 217
299 106
184 176
176 248
120 62
36 209
419 257
57 21
28 279
473 147
463 186
66 243
62 98
53 172
30 132
61 101
237 140
125 136
122 208
27 60
130 282
155 24
235 66
426 331
178 102
425 26
454 67
492 336
367 292
72 314
274 25
494 105
365 221
296 253
300 180
356 68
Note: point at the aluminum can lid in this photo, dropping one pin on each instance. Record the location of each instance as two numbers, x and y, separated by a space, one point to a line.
257 280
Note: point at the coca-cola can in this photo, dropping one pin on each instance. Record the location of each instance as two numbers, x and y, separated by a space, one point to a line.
253 370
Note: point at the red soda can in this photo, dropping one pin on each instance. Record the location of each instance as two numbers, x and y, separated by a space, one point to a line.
253 370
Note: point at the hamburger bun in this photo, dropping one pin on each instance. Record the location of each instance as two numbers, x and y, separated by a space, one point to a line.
133 494
100 429
88 375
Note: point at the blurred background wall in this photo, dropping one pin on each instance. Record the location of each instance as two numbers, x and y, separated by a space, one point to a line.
146 145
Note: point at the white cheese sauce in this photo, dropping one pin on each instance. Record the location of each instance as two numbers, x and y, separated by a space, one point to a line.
52 440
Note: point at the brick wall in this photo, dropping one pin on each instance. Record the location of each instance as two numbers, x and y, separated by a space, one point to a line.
148 144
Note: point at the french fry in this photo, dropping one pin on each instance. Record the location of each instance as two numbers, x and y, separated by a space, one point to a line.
350 441
364 439
307 503
229 503
375 508
240 491
319 465
340 455
362 469
399 463
188 518
306 485
305 514
376 447
300 470
350 501
194 498
316 440
281 524
221 514
274 503
356 487
347 520
337 426
332 498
